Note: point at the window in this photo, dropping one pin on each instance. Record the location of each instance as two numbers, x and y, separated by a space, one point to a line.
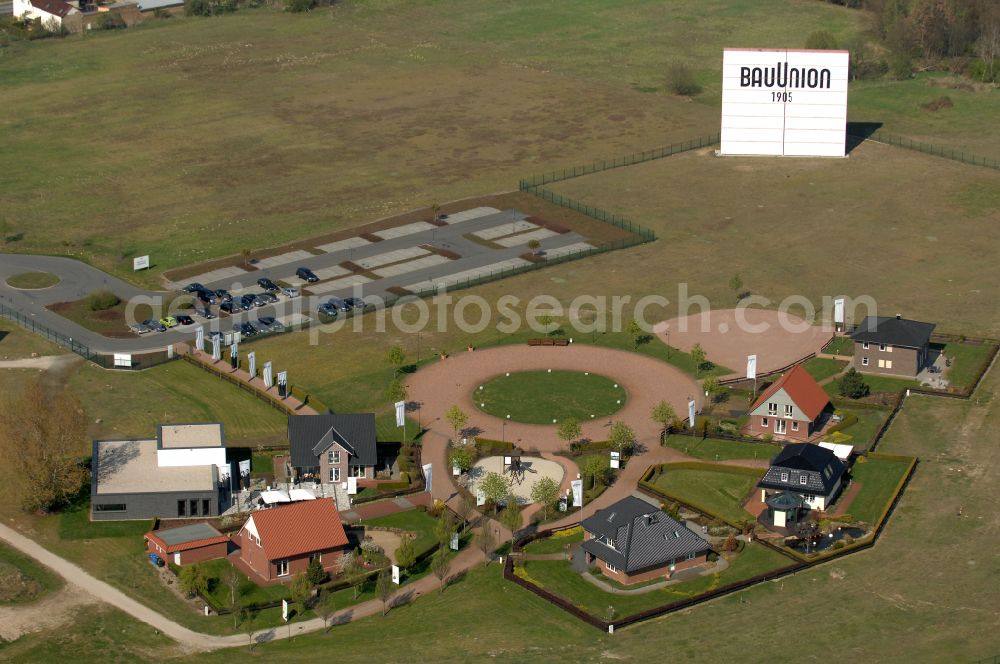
772 408
110 507
333 456
194 507
610 567
206 507
888 364
881 364
763 422
888 349
610 542
779 426
865 345
181 508
282 566
803 479
795 426
864 361
335 474
784 477
788 410
881 347
316 556
358 471
691 556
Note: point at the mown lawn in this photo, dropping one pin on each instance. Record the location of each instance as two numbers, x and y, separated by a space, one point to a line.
24 580
32 280
863 431
878 479
716 449
966 360
840 346
557 542
875 384
17 343
720 493
543 397
823 367
414 520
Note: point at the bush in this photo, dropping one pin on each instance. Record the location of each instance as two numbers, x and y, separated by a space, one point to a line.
101 300
821 40
849 419
853 385
681 80
487 447
943 101
110 21
298 5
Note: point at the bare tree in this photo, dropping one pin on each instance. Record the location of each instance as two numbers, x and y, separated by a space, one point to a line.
383 590
232 581
440 566
486 540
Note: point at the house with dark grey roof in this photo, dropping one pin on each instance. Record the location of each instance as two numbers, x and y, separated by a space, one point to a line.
893 346
810 472
327 449
633 541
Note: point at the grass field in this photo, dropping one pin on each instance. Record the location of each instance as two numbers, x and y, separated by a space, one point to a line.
541 397
840 346
715 449
22 579
878 479
557 542
32 280
966 360
721 493
415 521
863 431
17 343
821 368
875 384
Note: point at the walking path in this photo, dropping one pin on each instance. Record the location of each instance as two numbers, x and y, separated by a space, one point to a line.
45 362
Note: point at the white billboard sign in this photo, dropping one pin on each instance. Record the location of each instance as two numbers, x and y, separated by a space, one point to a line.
123 360
784 102
140 263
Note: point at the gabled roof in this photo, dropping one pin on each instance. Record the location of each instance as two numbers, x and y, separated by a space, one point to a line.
800 388
309 436
644 536
186 537
299 528
894 331
54 7
818 465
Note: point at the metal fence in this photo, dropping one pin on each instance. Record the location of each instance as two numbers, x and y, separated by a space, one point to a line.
929 148
597 213
627 160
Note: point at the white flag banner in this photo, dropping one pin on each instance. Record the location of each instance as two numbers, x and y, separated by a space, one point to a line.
577 486
216 348
480 498
268 376
352 486
234 351
616 459
252 359
454 541
751 366
838 310
456 470
428 477
691 413
395 574
199 338
284 610
400 413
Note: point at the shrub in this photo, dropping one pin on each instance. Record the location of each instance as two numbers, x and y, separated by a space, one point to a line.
943 101
681 80
110 21
821 40
315 573
298 5
101 300
853 385
849 419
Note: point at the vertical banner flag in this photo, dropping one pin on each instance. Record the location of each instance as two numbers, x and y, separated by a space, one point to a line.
616 459
395 574
216 348
577 493
252 359
400 413
268 376
199 338
234 353
284 610
282 384
237 337
454 541
456 470
480 498
245 473
838 311
428 477
352 486
691 412
751 366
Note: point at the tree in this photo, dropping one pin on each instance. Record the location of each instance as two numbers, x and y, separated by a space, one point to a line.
440 566
396 357
546 492
736 285
495 488
698 357
486 540
247 617
246 255
315 572
853 385
444 528
40 440
663 414
821 40
396 391
197 8
681 80
192 580
383 590
435 211
298 6
987 45
635 331
569 430
110 21
457 419
466 508
349 567
301 589
232 580
712 387
406 556
325 608
596 466
534 245
462 457
511 516
621 437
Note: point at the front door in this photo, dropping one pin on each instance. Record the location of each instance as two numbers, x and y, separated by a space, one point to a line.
779 426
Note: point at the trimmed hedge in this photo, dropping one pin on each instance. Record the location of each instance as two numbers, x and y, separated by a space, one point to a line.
489 447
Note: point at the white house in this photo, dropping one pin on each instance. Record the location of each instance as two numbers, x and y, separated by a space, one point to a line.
51 12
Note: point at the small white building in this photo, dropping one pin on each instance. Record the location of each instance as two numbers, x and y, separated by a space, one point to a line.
50 12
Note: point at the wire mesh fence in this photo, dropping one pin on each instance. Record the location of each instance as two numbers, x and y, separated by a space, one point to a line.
931 149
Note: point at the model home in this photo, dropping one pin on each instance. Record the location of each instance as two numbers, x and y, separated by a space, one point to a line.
791 408
50 12
186 545
811 473
327 449
181 473
633 541
279 543
892 345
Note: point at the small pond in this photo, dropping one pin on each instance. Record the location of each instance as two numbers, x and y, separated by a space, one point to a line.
824 542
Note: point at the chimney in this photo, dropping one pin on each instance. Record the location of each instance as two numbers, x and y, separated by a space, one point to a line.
899 316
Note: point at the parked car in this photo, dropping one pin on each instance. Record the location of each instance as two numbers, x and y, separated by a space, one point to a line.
193 287
207 296
268 298
168 321
328 310
184 319
207 314
306 274
229 307
223 295
247 329
265 322
290 292
248 302
155 325
355 302
139 328
338 304
267 284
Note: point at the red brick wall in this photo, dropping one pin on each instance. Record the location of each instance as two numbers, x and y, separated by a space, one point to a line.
649 575
203 553
755 428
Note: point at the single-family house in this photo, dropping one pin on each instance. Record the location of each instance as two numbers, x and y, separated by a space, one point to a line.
790 408
181 473
633 541
802 475
51 13
189 544
327 449
278 543
894 346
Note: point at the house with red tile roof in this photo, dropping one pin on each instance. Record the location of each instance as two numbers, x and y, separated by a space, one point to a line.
278 543
791 408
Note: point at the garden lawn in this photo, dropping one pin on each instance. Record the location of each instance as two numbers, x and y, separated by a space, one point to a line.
22 579
542 397
840 346
716 449
878 479
875 384
217 570
863 431
966 360
821 368
414 520
719 493
32 280
557 542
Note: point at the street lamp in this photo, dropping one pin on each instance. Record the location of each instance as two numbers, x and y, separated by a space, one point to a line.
503 434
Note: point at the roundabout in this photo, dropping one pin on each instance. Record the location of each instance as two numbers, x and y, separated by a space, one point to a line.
549 396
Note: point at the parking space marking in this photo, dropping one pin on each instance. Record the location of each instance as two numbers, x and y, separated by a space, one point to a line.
576 247
338 284
281 259
408 229
391 257
217 275
525 238
411 266
341 245
467 215
504 229
474 273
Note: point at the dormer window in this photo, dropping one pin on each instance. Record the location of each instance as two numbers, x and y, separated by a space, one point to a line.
881 347
610 542
864 345
803 479
784 477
